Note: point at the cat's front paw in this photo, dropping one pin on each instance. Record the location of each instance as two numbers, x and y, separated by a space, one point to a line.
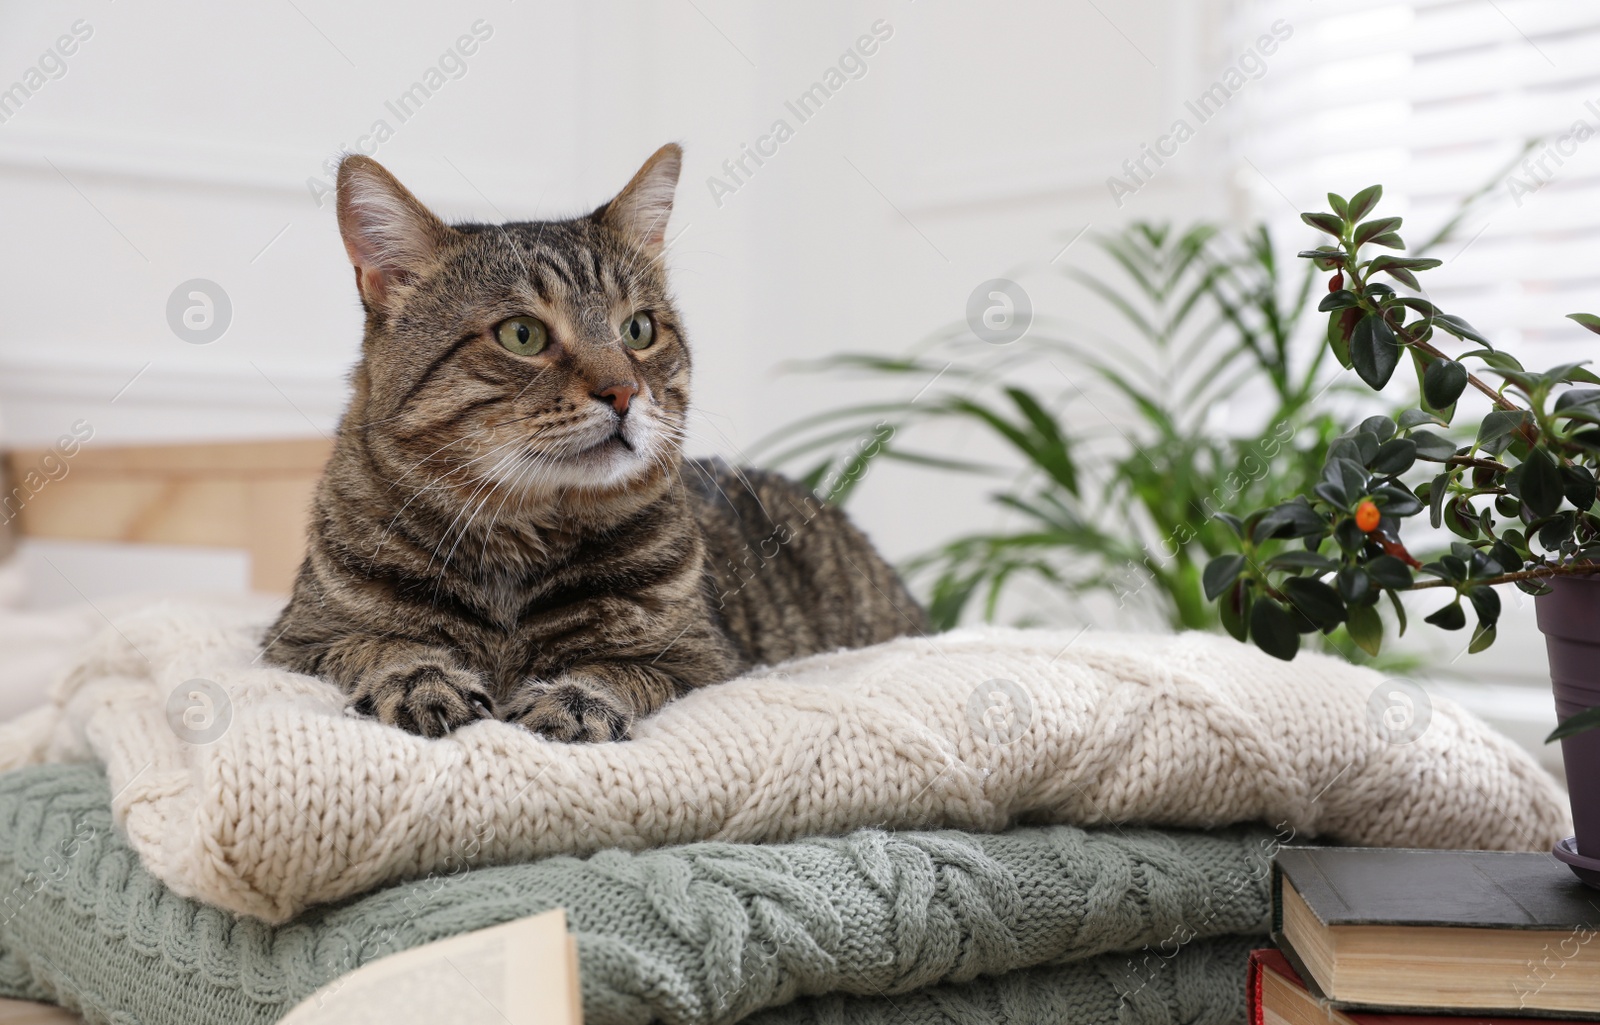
427 699
569 712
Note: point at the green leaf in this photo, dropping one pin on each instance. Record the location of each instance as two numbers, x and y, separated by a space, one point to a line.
1051 452
1389 239
1337 203
1372 229
1289 520
1405 277
1575 724
1570 372
1374 351
1540 483
1389 572
1588 320
1301 560
1415 417
1451 617
1235 610
1341 300
1505 556
1353 473
1363 202
1500 427
1365 627
1353 584
1443 382
1528 382
1380 426
1357 447
1396 500
1438 491
1461 329
1556 529
1399 612
1323 253
1315 600
1325 222
1432 447
1233 522
1394 457
1577 397
1486 603
1339 328
1273 629
1578 484
1482 637
1332 492
1461 518
1498 360
1386 261
1220 573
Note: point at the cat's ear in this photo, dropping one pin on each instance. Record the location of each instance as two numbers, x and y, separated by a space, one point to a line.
390 236
641 209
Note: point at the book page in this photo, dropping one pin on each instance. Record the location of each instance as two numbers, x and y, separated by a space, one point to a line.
520 973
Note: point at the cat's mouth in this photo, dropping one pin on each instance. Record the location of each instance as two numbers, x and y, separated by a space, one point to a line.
605 455
614 443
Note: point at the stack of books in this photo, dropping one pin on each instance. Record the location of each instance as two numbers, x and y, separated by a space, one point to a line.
1385 937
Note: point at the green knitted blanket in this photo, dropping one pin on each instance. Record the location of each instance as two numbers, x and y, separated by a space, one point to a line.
1047 924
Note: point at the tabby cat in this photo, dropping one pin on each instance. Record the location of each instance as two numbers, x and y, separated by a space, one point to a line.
507 527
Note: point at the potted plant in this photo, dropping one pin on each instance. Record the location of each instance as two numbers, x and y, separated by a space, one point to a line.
1520 497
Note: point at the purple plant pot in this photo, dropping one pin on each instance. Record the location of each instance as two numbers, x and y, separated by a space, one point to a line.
1569 617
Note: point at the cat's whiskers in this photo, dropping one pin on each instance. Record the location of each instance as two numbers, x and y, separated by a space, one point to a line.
486 481
531 462
383 539
408 470
416 494
528 460
686 434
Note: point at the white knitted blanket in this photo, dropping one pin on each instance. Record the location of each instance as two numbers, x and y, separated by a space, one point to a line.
250 787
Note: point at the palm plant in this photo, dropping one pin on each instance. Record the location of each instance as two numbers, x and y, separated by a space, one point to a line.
1124 506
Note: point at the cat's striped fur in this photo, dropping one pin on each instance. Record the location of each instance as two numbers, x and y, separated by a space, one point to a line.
513 535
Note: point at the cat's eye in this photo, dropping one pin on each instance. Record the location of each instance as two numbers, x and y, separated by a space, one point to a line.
638 331
524 336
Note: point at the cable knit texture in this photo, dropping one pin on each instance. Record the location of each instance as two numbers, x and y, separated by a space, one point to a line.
1201 984
298 803
884 924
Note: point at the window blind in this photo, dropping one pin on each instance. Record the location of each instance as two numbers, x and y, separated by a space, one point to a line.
1434 99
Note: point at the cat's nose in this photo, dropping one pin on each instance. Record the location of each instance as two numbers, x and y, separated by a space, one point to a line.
619 395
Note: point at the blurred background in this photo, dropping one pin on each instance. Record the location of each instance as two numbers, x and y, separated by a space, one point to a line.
173 272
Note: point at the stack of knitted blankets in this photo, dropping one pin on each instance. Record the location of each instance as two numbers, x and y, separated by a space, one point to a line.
833 840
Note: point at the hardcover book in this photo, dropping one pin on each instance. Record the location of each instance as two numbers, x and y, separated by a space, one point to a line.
1452 932
1278 996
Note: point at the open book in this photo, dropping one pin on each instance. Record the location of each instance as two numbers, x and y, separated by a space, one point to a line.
521 973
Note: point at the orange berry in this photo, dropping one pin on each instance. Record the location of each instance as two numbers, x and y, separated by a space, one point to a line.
1367 516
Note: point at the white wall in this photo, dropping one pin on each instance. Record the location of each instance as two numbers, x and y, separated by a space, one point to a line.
179 141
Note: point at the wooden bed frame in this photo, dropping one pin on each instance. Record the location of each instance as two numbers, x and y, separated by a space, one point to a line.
250 495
